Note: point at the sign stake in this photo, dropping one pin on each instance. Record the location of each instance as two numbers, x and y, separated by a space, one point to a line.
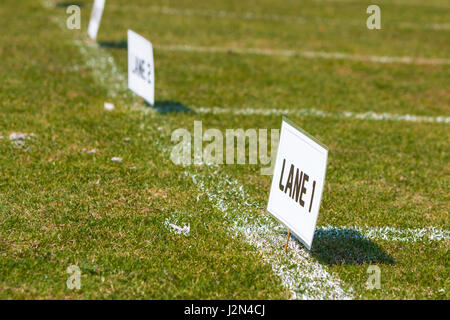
287 240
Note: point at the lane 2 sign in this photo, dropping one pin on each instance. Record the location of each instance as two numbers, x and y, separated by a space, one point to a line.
141 72
298 180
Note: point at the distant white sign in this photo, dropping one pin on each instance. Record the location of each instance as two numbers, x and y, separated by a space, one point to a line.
298 181
96 17
141 73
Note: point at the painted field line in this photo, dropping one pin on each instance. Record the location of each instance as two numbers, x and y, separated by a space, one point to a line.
323 114
299 271
286 18
306 278
409 235
103 67
428 26
306 54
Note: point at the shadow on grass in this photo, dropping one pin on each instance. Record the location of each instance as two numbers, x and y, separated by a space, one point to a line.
167 106
113 44
67 4
347 247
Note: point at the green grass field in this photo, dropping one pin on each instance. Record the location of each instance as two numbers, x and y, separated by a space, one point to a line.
61 205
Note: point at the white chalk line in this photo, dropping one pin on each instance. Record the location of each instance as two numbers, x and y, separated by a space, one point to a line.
391 234
323 114
306 54
254 16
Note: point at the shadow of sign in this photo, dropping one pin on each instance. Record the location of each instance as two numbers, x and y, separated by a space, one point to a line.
166 106
114 44
348 247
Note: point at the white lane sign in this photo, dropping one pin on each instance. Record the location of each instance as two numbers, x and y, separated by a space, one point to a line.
141 72
298 180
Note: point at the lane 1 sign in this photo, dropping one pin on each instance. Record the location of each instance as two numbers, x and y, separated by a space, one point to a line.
96 17
298 180
141 73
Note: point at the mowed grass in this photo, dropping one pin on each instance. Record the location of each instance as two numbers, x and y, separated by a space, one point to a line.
61 206
309 25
